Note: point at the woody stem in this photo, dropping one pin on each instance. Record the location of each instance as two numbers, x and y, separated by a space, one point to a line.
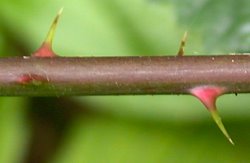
66 76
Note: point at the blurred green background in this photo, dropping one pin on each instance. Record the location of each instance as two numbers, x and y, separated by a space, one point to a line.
124 129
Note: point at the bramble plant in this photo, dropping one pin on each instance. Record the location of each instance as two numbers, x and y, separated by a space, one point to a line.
45 73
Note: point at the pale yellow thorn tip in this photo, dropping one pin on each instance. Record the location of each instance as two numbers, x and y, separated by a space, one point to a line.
182 44
219 123
51 33
184 38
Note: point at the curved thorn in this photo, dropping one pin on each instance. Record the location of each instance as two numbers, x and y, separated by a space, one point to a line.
208 95
182 44
215 115
46 49
52 30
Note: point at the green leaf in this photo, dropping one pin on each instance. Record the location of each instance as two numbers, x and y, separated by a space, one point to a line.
224 25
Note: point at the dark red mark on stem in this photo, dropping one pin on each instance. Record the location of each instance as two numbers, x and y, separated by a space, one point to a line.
32 79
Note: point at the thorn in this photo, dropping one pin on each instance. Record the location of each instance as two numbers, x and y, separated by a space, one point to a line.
215 115
182 44
208 95
51 33
46 49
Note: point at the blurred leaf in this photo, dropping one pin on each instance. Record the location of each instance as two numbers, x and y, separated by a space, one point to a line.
96 140
224 25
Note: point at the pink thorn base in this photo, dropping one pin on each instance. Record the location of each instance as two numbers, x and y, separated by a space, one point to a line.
208 95
44 51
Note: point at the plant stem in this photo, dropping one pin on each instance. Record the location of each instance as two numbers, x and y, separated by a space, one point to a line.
67 76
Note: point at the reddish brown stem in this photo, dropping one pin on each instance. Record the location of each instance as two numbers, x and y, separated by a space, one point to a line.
61 76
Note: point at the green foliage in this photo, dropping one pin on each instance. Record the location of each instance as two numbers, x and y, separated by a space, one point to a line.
145 128
224 25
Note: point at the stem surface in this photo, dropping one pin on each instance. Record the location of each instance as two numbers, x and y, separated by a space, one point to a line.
67 76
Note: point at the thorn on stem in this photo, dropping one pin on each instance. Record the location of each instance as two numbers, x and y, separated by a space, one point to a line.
46 49
208 95
182 44
215 115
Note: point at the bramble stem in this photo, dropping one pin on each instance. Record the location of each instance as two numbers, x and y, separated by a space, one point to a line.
67 76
